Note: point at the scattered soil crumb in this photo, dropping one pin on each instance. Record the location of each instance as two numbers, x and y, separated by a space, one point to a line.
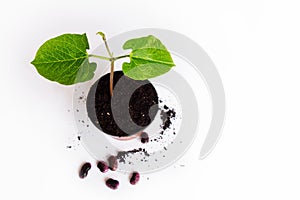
122 155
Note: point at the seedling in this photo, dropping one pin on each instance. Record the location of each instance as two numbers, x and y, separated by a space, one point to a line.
64 59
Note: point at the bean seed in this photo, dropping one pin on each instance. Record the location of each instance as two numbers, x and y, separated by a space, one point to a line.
102 166
83 172
112 184
113 163
135 177
144 137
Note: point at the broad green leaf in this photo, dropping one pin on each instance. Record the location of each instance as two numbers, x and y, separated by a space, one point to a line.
143 43
64 59
149 58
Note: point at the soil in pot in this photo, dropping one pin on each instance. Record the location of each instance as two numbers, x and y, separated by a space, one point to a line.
143 105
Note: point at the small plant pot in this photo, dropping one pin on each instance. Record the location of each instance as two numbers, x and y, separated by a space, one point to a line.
130 109
127 138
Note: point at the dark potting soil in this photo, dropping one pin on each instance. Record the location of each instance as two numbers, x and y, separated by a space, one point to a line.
122 155
166 117
143 98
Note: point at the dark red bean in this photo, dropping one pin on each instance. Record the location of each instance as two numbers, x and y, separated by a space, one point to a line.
102 166
113 163
112 184
135 177
83 172
144 137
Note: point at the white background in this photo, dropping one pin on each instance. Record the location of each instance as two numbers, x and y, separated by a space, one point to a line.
255 45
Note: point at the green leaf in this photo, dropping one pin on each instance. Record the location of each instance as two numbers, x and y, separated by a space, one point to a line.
64 59
149 58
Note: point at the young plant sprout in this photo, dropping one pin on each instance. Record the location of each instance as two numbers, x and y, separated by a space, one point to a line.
112 62
64 59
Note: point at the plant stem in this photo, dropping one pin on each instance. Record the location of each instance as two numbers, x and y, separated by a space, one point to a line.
107 58
112 66
107 48
111 78
112 62
118 57
105 42
101 57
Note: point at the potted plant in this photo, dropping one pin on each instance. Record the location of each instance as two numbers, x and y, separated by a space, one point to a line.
64 59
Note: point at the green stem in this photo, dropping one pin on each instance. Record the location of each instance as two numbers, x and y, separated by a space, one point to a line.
119 57
112 61
100 57
107 48
107 58
105 42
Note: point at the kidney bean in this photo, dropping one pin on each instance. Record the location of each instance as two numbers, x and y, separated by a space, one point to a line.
113 163
83 172
135 177
102 166
112 184
144 137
